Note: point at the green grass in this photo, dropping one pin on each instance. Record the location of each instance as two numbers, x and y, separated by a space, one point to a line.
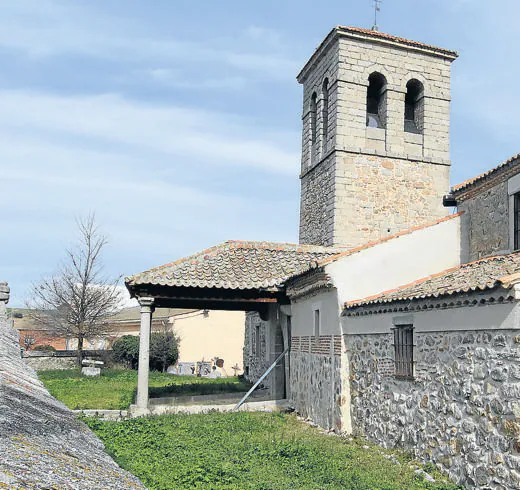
115 389
258 451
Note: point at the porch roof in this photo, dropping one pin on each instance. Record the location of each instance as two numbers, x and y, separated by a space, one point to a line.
232 272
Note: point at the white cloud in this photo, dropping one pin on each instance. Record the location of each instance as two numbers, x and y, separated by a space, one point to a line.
51 28
223 139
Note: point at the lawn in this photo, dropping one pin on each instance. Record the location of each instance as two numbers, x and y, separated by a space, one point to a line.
115 389
260 451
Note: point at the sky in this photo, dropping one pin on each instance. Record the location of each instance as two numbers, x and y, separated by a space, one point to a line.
178 122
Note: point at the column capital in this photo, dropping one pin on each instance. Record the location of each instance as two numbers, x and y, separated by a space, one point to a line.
146 302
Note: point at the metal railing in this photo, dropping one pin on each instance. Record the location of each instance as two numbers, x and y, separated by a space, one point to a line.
253 388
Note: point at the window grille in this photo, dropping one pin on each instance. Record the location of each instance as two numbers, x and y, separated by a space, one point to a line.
517 220
403 344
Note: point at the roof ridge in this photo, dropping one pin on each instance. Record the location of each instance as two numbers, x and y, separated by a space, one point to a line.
351 303
374 243
267 244
474 180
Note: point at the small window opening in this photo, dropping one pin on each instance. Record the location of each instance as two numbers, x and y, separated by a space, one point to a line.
376 101
414 107
403 345
325 113
313 119
316 323
517 220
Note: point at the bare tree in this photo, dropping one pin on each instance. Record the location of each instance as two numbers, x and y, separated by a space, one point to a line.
78 301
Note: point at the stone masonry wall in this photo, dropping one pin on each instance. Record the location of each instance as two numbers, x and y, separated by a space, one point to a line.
363 184
462 412
255 365
317 204
376 197
353 198
485 223
318 375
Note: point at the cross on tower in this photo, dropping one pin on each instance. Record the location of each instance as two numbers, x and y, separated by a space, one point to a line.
376 10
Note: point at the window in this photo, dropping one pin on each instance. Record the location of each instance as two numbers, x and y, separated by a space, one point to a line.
316 323
414 107
325 114
403 344
313 119
376 101
516 218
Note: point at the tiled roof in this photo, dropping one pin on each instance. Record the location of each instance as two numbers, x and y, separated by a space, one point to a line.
508 164
396 39
236 265
483 274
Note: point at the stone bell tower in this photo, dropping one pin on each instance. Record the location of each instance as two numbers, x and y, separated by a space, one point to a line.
375 145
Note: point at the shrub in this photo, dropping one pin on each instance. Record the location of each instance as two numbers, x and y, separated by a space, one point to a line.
44 348
126 351
164 349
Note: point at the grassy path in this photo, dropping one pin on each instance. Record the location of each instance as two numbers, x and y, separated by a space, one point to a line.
115 389
258 451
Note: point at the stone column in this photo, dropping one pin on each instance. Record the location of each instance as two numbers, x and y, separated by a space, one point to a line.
4 296
144 356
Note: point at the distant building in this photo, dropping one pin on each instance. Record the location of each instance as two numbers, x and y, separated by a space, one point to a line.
204 335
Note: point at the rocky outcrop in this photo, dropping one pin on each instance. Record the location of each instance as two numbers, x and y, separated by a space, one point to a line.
42 444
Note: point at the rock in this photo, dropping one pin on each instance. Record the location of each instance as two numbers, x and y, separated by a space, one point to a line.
499 374
91 371
426 476
42 444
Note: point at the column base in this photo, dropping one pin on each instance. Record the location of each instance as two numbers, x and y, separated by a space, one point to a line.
136 411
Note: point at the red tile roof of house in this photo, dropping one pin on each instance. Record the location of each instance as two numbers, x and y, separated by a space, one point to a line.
236 265
508 164
480 275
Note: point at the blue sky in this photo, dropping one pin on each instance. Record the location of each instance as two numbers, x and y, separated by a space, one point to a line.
178 121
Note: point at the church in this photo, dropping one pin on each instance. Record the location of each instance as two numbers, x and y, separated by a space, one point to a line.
396 316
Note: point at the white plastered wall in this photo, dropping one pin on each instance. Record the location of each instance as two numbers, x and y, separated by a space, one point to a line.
488 317
397 262
303 314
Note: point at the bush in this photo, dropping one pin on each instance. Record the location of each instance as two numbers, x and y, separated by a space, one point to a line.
126 351
164 350
44 348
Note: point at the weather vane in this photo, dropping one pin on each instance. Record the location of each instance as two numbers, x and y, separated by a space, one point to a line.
376 10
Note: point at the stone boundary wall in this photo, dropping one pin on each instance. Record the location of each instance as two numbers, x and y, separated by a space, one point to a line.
461 412
41 363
